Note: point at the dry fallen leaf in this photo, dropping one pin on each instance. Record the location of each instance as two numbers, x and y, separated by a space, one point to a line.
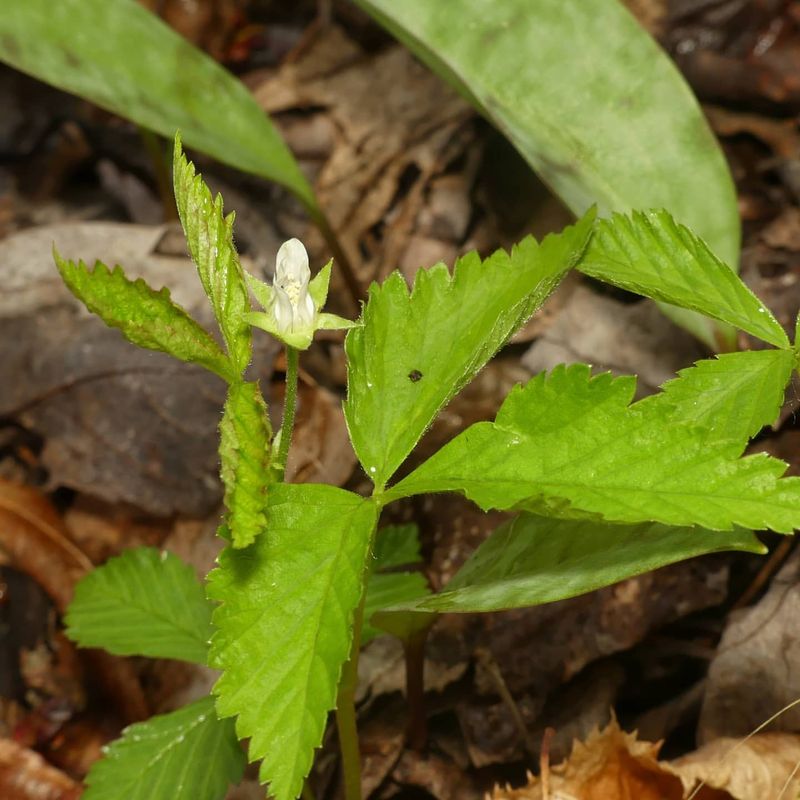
25 775
614 765
34 540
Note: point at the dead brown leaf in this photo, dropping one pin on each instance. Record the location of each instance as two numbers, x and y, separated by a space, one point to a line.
25 775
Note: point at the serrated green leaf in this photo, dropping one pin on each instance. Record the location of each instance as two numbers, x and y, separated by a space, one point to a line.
125 59
209 234
649 253
146 317
187 754
145 603
396 546
570 445
532 560
604 119
284 625
732 396
415 352
244 451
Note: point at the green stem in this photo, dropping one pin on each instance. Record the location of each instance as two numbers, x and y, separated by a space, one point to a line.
289 406
339 256
155 149
346 713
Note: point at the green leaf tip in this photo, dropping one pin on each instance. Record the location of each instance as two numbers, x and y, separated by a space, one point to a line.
188 754
143 602
571 445
209 236
146 317
415 350
649 253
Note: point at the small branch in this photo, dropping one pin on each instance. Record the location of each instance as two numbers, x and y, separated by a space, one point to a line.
339 256
289 406
346 713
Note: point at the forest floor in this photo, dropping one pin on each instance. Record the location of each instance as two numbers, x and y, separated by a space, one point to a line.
102 451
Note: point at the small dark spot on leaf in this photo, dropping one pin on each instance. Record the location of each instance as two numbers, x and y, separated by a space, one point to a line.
414 375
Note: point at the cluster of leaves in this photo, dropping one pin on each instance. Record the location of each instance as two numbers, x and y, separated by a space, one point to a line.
606 488
571 102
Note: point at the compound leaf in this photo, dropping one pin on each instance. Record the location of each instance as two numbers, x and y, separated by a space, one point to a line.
146 317
732 396
532 560
125 59
415 351
187 754
571 445
651 254
602 119
209 234
284 625
244 451
143 602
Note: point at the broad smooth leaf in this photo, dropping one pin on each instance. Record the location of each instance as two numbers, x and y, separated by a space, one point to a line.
187 754
144 603
125 59
602 118
732 396
385 590
146 317
649 253
532 560
244 451
209 234
571 445
395 546
284 626
415 351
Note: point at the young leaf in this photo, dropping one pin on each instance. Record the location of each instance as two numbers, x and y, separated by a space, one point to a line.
396 546
603 119
145 603
187 754
125 59
414 352
651 254
570 445
732 396
244 450
209 234
285 623
532 560
146 317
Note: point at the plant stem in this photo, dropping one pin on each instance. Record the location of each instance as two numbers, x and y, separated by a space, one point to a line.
155 149
346 713
339 256
289 406
417 726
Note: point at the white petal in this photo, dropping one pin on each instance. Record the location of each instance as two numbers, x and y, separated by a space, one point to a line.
291 264
282 310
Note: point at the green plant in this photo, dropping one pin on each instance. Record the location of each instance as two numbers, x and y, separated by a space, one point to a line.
605 120
605 488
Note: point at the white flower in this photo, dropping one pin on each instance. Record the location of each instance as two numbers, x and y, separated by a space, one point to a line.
293 306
